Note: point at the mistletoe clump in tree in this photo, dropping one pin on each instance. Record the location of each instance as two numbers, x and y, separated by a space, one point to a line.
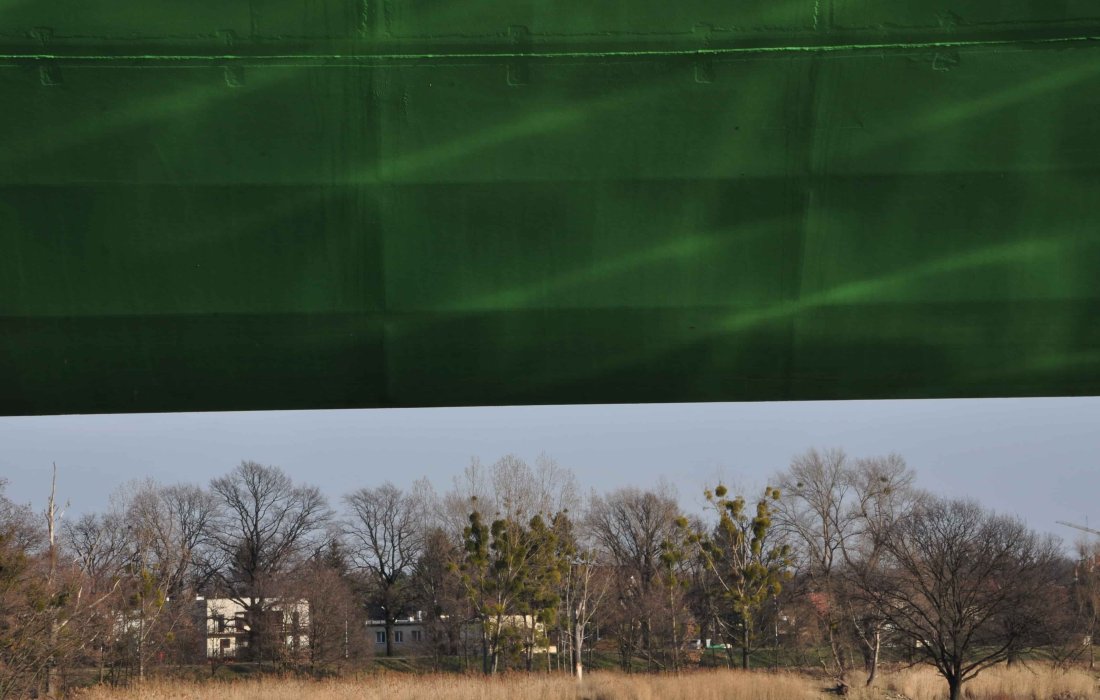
745 568
511 574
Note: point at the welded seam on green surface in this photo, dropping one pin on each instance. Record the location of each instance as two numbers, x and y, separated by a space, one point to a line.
653 53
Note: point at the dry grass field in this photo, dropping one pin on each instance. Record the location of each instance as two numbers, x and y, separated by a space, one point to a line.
703 685
917 684
1032 682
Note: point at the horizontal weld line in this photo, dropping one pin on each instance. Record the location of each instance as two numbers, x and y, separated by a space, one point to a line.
656 53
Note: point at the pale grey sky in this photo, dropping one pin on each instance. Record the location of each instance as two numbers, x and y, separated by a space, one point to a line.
1035 458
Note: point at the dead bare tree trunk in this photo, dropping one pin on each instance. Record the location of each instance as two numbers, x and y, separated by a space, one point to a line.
52 685
578 639
874 656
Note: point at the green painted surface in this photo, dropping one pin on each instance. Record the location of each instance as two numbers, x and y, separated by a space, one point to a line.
321 204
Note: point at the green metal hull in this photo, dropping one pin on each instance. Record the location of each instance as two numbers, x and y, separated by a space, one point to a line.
219 205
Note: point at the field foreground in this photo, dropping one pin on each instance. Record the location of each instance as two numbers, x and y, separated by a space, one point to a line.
1000 684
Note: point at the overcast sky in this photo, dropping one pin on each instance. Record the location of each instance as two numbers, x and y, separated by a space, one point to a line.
1036 458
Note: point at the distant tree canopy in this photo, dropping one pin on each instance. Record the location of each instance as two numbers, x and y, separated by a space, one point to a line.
512 568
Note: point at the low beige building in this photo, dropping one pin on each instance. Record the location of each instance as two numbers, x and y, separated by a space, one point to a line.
412 632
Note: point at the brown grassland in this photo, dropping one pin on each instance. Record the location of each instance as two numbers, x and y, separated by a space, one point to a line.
1021 683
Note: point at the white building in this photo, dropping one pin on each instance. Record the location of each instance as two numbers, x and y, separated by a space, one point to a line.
228 624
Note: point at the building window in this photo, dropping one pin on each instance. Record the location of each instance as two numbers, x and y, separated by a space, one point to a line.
223 643
417 636
398 636
380 637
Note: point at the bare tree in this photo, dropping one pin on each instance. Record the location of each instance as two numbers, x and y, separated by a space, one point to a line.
442 596
587 587
335 618
814 508
47 616
18 524
814 513
510 487
141 550
883 492
631 528
171 526
24 652
835 510
101 545
384 529
1086 596
167 525
265 527
964 586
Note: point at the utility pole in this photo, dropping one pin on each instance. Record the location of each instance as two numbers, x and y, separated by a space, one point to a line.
775 651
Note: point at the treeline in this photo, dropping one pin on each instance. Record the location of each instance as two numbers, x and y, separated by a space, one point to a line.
842 560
